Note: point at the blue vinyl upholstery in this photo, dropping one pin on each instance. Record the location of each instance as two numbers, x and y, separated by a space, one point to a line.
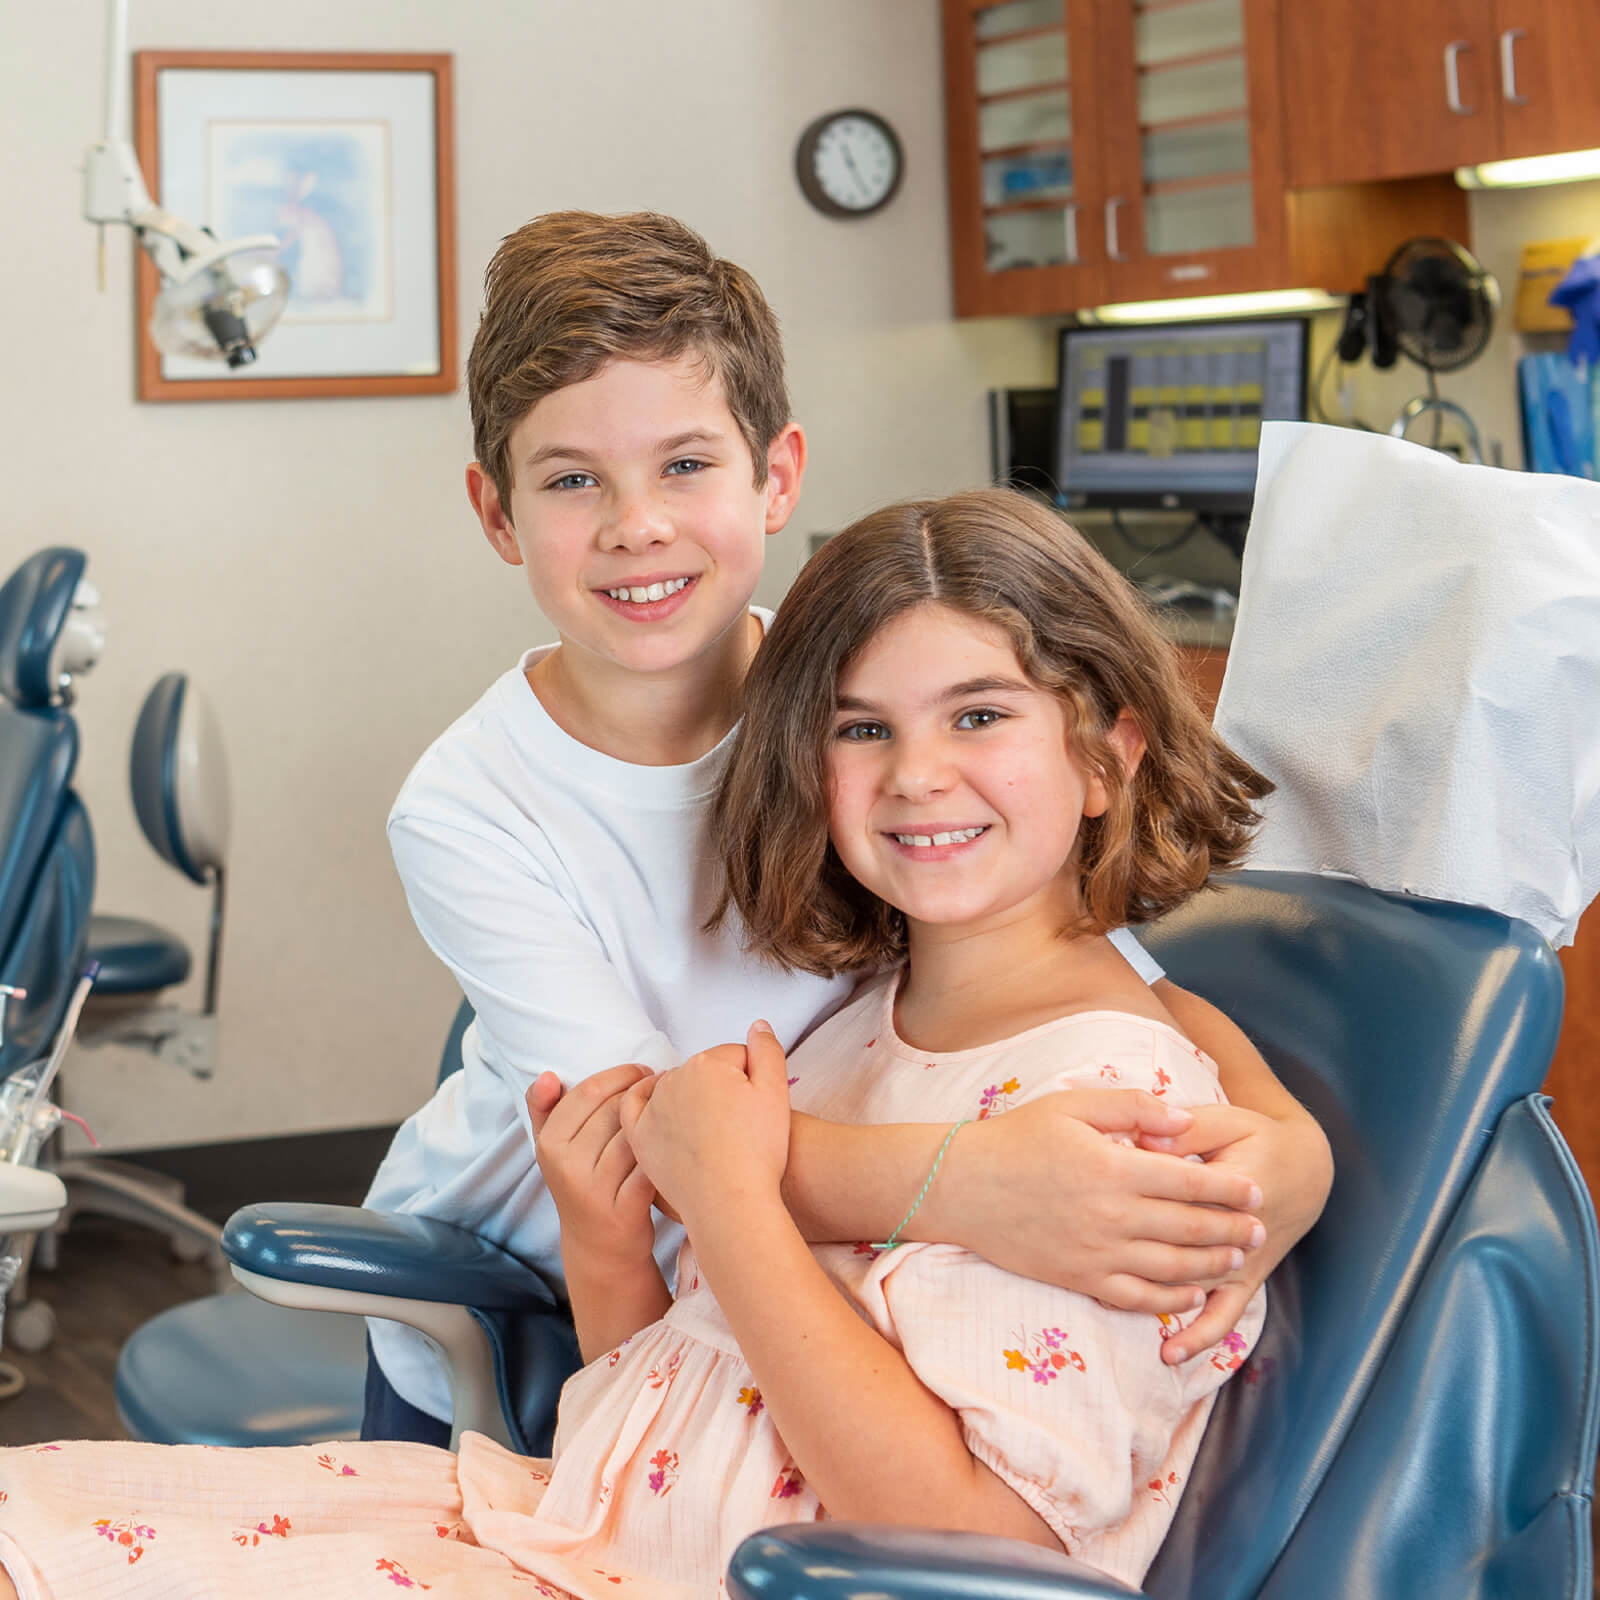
136 957
1419 1418
47 861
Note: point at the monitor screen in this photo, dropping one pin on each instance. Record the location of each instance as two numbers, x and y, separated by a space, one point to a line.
1170 415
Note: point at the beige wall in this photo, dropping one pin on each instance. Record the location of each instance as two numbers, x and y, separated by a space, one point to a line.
314 564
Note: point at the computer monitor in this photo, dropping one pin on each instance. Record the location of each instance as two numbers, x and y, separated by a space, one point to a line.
1169 415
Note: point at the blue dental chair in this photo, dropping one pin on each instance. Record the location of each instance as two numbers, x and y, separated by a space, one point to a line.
50 634
1420 1417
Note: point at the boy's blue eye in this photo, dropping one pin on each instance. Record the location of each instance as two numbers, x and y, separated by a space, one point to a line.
862 732
980 717
686 467
574 480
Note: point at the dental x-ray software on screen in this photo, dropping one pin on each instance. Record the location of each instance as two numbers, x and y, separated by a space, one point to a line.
1171 415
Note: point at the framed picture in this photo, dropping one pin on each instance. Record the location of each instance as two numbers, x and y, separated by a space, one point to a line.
347 160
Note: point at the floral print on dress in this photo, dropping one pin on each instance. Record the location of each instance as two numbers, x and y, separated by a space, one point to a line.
664 1474
996 1098
1163 1081
1229 1354
397 1575
1043 1355
789 1483
329 1462
663 1372
249 1538
750 1399
1109 1074
1159 1487
127 1533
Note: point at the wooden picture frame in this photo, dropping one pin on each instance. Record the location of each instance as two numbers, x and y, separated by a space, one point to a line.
349 160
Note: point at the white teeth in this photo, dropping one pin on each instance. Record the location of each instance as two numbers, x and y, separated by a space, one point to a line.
923 840
654 591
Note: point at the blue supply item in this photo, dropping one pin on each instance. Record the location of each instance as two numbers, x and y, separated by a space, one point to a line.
1558 410
1579 293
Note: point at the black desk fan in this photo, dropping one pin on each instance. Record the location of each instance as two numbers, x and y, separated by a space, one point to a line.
1433 303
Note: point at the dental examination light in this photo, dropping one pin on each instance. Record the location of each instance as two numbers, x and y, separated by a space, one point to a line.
218 298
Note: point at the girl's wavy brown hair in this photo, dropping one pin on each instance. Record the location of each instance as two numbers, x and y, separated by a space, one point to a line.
1079 629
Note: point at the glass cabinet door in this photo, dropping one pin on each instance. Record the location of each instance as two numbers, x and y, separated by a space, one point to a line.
1023 173
1194 187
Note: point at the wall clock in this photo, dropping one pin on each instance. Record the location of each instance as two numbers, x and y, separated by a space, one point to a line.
849 163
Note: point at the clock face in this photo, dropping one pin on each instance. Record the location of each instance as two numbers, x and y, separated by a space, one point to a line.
849 163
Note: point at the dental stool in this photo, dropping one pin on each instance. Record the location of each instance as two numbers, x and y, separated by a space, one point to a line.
178 774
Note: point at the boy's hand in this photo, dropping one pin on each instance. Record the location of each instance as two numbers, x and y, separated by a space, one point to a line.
1290 1162
714 1132
1042 1192
601 1194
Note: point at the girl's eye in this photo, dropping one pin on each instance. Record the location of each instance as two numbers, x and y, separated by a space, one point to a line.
686 467
980 717
862 732
574 480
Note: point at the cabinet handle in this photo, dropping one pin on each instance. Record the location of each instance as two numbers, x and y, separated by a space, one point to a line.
1070 218
1113 251
1452 78
1508 66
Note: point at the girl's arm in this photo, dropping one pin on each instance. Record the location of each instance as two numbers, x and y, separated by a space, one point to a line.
603 1200
715 1140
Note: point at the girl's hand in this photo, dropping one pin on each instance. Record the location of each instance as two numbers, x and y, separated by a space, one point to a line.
1041 1192
714 1133
1291 1163
601 1194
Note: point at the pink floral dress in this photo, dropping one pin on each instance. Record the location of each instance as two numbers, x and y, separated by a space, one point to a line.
666 1455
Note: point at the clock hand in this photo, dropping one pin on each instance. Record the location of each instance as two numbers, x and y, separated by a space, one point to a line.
850 161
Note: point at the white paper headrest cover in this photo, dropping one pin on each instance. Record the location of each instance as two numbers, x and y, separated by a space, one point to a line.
1416 665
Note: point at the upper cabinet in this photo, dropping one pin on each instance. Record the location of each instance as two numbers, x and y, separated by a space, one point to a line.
1379 90
1107 149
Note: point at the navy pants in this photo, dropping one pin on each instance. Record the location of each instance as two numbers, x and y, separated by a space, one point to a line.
387 1416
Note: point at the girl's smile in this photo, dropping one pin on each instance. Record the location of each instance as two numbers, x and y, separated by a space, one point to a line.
955 793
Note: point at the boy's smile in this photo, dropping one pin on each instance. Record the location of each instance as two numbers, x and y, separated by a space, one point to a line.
635 511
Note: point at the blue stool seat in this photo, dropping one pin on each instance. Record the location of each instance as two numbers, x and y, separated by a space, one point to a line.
135 957
277 1376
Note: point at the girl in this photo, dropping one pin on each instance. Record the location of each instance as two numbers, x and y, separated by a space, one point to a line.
966 754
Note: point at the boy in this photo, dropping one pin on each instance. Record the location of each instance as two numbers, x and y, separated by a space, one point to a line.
634 450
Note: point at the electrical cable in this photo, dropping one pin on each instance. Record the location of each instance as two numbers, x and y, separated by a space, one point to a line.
1318 409
1194 526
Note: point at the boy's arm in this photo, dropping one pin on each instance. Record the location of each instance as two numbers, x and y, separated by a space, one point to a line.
1265 1132
1039 1191
607 1231
546 995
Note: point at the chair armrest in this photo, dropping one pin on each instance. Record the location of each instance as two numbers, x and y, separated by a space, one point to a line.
380 1253
833 1560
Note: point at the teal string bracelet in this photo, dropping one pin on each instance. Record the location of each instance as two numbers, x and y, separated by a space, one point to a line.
894 1238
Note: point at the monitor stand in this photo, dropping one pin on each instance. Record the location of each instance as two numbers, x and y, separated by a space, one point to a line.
1228 528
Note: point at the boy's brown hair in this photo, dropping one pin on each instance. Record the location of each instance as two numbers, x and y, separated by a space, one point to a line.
572 290
1079 629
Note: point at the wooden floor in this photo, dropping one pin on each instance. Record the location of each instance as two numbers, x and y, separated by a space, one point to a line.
112 1277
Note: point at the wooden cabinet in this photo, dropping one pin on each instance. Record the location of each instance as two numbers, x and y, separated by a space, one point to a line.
1107 150
1111 149
1378 90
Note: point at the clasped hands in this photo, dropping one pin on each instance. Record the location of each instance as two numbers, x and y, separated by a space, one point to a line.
1039 1191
